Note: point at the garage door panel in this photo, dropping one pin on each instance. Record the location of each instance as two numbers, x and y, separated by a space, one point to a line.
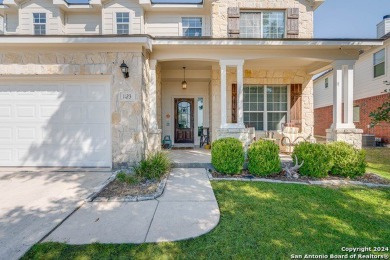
55 124
5 111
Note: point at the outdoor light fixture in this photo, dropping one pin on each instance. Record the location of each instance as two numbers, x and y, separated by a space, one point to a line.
184 82
124 69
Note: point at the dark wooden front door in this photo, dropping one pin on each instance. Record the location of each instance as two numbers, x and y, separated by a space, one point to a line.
184 120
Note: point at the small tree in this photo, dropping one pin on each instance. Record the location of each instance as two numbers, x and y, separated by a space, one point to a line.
382 113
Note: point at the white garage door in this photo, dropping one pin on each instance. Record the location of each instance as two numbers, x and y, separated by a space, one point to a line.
55 123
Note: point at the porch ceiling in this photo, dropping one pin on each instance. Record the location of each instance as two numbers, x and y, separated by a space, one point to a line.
307 53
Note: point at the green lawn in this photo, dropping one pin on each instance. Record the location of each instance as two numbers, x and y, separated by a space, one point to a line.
379 161
264 221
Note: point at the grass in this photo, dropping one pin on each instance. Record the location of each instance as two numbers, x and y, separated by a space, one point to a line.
263 221
378 160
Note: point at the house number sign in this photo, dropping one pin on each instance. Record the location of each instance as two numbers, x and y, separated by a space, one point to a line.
127 96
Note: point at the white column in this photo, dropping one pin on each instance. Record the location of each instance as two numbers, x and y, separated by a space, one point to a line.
223 95
348 96
337 92
240 95
152 94
343 93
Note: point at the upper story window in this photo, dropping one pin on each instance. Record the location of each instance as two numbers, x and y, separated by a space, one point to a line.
39 21
267 24
379 63
326 82
122 23
192 26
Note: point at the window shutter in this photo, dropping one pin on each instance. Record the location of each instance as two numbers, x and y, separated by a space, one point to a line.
233 22
296 105
292 22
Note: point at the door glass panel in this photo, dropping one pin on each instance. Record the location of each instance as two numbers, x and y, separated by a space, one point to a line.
183 115
200 116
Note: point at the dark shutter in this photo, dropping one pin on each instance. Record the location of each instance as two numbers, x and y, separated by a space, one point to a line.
296 105
233 22
292 22
234 103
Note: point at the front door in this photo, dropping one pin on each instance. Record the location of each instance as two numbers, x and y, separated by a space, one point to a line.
184 120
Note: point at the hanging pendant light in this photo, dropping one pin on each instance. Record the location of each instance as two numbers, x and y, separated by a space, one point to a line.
184 82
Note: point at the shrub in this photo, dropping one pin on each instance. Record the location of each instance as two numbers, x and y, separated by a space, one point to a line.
227 155
316 157
154 166
264 158
129 179
347 161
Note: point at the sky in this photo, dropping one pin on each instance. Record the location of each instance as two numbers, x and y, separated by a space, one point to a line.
349 18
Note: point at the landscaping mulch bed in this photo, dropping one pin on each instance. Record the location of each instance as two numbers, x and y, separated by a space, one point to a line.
122 189
367 178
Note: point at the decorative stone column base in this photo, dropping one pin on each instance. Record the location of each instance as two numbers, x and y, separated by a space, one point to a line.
245 135
153 143
352 136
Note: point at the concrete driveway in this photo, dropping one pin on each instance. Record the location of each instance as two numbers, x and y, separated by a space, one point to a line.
32 203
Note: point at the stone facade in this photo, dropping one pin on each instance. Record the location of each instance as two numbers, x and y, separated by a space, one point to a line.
262 77
350 136
128 125
245 135
220 20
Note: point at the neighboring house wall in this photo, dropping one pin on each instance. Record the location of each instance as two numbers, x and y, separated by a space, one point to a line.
80 23
131 6
220 9
53 20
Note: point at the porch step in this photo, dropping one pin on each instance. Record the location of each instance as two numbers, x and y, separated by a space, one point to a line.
192 165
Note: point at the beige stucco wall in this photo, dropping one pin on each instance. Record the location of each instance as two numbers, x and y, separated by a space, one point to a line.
219 13
128 126
262 76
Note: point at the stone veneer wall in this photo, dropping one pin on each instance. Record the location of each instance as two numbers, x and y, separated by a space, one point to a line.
350 136
128 138
263 76
219 13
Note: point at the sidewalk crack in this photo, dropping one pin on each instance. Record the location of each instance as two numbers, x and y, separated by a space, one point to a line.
151 221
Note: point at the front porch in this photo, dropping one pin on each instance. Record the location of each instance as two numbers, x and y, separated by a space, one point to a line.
248 91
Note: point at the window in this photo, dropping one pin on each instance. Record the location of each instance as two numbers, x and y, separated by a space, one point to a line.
122 23
379 63
265 107
326 82
356 114
200 116
192 26
39 21
262 24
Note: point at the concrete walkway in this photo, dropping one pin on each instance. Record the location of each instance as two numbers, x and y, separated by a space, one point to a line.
187 209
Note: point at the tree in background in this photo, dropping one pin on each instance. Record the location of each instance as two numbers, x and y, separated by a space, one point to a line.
382 113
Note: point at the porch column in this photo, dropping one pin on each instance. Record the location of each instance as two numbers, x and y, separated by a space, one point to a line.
152 93
153 140
240 94
223 95
239 64
337 94
343 129
348 96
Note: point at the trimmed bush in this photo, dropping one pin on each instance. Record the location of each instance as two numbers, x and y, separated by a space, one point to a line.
227 155
154 166
347 161
264 158
316 157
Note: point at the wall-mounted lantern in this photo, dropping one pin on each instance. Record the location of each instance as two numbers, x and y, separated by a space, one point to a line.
124 69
